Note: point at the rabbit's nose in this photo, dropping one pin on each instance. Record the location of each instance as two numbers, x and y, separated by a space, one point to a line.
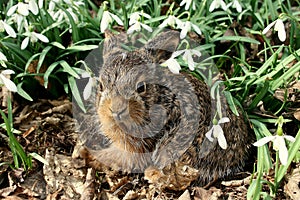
120 115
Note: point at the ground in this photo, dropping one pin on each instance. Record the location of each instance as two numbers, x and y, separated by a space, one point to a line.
49 129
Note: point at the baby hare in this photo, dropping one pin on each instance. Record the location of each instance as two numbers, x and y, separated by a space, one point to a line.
150 119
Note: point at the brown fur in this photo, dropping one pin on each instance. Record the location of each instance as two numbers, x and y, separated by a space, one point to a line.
166 123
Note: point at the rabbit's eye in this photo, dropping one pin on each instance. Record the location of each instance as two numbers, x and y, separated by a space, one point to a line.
100 86
141 87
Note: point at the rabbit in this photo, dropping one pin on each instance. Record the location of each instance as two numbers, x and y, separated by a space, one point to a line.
151 120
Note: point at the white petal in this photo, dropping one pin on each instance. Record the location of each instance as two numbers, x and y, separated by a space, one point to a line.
164 24
173 65
209 135
85 75
9 30
88 89
12 10
33 7
134 27
187 5
106 19
117 19
197 29
134 17
41 37
237 5
7 71
289 138
223 5
182 2
41 3
212 5
183 32
195 52
222 140
146 15
279 26
217 130
2 56
25 43
148 28
263 141
283 152
268 27
23 9
177 53
223 120
11 86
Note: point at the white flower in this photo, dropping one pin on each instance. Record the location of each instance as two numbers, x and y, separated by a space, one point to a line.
24 8
186 27
107 18
172 64
32 6
278 26
137 26
7 28
235 4
170 21
215 4
89 86
278 145
136 16
188 4
11 86
188 57
217 132
3 59
33 37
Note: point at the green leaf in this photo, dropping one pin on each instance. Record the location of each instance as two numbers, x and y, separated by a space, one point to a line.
286 76
67 68
237 39
22 92
231 103
82 47
48 73
58 45
42 57
75 92
39 158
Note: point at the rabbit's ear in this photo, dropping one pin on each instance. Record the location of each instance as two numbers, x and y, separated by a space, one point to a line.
111 43
162 46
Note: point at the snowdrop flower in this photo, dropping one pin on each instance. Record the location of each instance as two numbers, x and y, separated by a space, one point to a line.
172 64
217 132
215 4
278 26
7 28
135 24
136 16
170 21
188 56
107 18
278 145
24 8
186 27
89 86
11 86
33 37
188 4
235 4
3 59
